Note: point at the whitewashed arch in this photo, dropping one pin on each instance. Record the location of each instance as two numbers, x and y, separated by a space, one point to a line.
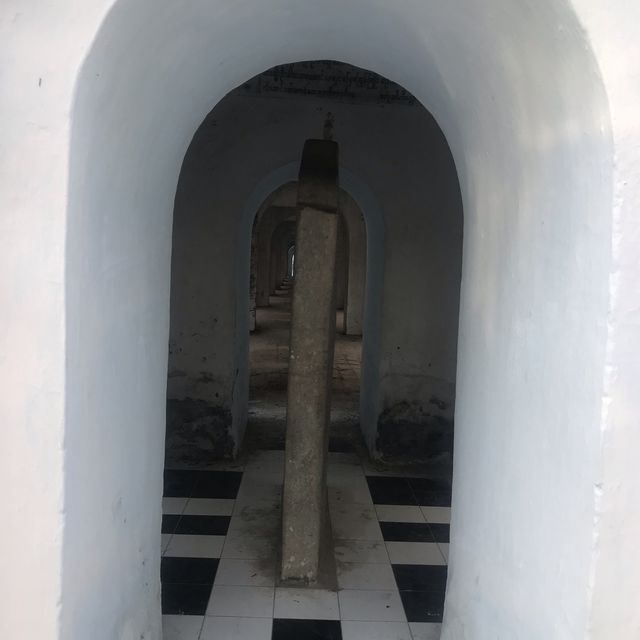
535 99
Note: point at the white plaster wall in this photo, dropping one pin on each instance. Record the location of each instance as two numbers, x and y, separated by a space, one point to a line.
615 571
34 110
541 471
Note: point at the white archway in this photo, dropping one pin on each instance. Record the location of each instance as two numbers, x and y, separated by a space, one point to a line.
528 181
548 331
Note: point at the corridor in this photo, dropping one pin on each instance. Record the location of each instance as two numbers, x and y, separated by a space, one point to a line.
220 534
221 524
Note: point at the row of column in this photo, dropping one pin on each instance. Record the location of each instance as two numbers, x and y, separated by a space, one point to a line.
274 235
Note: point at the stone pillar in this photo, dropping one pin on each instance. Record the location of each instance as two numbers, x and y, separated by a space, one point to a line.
354 304
304 508
342 264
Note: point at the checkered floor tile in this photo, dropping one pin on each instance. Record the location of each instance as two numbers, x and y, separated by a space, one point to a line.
220 532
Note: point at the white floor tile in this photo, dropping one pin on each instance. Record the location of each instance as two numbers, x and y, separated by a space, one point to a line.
356 575
437 515
209 507
360 551
259 518
316 604
192 546
246 573
249 547
245 602
425 630
354 521
368 606
348 489
165 539
337 471
399 513
173 506
219 628
414 553
265 462
352 630
256 489
181 627
444 549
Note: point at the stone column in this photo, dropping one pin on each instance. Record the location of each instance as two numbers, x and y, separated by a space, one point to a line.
342 264
310 362
354 305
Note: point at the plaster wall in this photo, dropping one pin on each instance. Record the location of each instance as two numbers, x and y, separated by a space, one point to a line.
548 330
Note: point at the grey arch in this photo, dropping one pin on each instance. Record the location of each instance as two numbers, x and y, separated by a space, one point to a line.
374 222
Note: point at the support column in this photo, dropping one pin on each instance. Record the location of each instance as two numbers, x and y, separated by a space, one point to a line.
253 273
342 264
304 508
357 242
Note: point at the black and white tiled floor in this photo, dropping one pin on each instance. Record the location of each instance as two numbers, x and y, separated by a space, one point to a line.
219 539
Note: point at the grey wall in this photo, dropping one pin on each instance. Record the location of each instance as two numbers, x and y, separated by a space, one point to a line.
401 154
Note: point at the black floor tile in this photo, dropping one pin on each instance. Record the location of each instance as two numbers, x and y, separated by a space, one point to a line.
387 490
217 484
188 570
423 606
169 523
203 525
179 483
433 498
185 599
406 532
414 577
440 532
429 485
285 629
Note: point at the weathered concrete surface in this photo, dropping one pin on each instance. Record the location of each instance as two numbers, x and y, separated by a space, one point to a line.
197 432
409 432
310 363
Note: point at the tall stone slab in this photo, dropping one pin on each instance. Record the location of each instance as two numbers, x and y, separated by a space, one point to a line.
310 362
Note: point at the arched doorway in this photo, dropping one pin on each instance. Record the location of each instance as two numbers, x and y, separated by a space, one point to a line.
272 271
528 327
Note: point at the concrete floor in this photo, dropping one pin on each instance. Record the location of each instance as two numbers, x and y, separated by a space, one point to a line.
269 350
